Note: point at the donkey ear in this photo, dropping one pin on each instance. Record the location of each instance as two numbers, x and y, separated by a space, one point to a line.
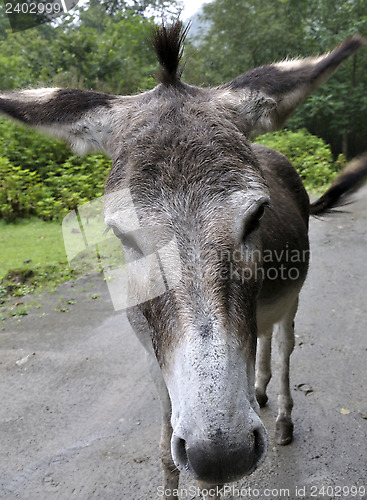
270 94
80 118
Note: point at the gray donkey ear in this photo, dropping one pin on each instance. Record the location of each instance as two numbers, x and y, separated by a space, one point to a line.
80 118
268 95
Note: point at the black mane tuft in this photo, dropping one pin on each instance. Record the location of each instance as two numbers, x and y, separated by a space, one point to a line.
168 43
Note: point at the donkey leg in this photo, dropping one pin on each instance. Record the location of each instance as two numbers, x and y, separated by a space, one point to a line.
285 338
263 367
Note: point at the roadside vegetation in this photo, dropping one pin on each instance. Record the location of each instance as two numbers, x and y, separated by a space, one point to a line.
310 155
106 46
33 258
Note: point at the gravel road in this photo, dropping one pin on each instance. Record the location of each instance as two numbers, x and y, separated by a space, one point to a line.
79 416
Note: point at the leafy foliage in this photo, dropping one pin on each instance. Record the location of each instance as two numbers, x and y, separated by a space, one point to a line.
88 49
106 46
310 155
122 61
244 34
39 176
162 8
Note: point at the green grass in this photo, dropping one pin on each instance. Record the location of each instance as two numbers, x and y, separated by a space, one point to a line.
33 255
33 239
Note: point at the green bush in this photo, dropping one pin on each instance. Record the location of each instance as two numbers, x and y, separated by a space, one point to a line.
310 155
39 176
73 183
18 190
29 149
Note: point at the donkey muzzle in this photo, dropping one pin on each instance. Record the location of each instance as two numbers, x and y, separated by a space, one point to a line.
218 461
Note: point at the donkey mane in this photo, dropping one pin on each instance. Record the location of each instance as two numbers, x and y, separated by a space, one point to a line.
168 45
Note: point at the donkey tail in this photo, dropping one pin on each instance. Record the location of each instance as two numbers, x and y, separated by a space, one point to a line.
348 181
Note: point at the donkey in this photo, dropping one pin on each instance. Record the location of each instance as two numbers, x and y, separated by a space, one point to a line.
184 155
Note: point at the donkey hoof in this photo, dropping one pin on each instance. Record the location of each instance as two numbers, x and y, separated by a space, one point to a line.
262 398
284 432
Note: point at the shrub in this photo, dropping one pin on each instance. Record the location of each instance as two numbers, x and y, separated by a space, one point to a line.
39 176
29 149
310 155
19 190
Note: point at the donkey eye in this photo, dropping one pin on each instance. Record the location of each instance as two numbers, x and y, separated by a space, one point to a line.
255 219
116 232
128 241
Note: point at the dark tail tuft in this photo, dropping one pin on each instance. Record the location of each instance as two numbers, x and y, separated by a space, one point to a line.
168 46
344 185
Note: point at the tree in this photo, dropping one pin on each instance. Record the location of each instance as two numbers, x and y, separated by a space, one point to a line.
337 112
87 48
244 34
146 8
118 61
4 22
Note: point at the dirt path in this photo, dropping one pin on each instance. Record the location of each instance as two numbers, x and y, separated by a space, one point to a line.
79 417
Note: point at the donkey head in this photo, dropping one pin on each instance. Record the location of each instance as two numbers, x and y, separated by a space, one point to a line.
200 200
199 194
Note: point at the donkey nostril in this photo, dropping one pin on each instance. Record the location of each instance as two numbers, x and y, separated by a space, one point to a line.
180 451
214 462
